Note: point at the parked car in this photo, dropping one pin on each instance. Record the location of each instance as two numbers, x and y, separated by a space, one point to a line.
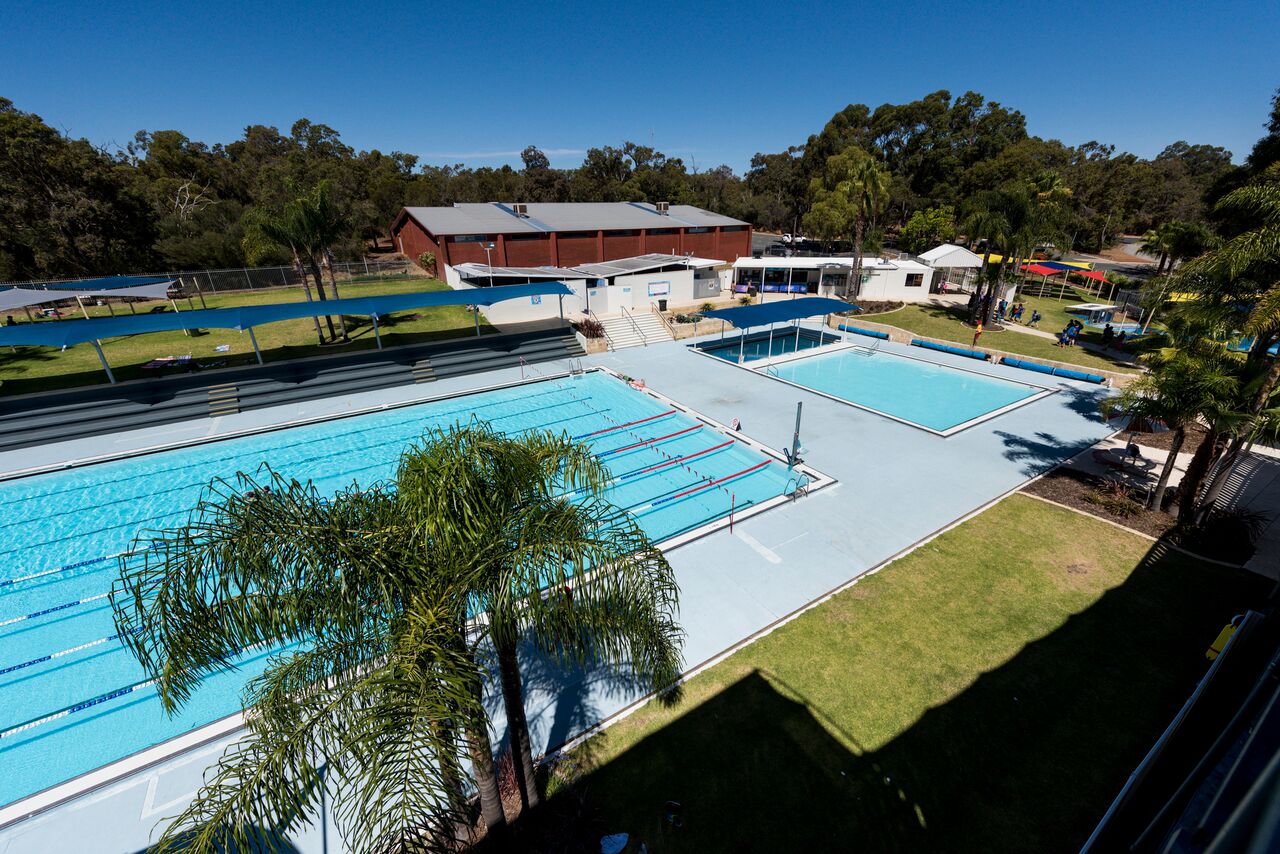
777 250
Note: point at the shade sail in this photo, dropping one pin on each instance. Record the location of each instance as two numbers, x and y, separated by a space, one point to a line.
160 290
69 332
110 283
1091 274
21 297
1063 265
1040 270
747 316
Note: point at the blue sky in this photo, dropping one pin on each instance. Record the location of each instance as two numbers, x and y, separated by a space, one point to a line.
709 82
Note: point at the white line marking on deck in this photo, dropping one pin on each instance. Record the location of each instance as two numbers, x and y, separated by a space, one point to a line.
757 546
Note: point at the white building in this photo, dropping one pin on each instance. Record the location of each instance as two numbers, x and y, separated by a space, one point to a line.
604 288
958 266
900 280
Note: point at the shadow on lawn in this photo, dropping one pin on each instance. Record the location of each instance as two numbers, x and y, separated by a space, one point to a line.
1027 757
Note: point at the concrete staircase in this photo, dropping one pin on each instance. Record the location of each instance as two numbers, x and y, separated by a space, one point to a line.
634 329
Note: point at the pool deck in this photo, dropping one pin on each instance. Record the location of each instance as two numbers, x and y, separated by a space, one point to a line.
897 486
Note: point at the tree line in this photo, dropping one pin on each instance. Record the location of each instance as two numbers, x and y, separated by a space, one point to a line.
164 200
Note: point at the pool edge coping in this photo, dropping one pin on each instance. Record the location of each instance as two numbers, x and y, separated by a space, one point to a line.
844 345
37 803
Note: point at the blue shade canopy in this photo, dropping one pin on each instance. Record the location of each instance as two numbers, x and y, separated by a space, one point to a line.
773 312
68 332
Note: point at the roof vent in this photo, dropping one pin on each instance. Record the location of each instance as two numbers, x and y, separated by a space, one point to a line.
664 208
520 209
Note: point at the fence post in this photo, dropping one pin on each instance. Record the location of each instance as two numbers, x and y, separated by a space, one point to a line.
247 280
283 278
366 264
209 275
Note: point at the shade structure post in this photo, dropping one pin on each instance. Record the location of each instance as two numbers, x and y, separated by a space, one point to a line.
770 340
84 310
27 309
476 313
254 341
797 335
176 310
560 300
97 345
742 345
376 336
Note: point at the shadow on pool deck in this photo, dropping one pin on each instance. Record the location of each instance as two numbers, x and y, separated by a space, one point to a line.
1026 757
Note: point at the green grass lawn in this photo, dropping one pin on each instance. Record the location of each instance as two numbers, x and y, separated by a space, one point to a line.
947 323
31 369
989 692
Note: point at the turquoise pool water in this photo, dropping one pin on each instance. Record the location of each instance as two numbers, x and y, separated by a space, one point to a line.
760 346
925 393
58 655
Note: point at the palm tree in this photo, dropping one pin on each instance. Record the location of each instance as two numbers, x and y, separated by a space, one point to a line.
1246 268
368 685
1181 386
869 191
1156 243
985 222
307 227
531 509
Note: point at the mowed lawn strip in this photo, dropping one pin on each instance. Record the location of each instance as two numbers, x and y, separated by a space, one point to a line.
31 369
989 692
935 321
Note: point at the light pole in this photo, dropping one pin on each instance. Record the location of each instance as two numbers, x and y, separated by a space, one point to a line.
488 247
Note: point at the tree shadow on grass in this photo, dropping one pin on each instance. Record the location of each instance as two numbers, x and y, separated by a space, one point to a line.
1026 758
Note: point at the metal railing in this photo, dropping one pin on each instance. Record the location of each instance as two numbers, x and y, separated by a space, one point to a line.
653 307
604 329
643 340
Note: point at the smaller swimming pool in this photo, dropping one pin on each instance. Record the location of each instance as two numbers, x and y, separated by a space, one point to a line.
938 398
762 345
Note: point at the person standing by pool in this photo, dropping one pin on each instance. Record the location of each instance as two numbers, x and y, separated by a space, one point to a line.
977 333
1107 334
1035 318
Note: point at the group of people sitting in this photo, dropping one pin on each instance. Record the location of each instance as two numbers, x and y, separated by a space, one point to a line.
1014 312
1110 340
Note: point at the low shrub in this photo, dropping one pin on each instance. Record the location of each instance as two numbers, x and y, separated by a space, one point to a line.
1115 499
706 306
745 300
687 318
589 328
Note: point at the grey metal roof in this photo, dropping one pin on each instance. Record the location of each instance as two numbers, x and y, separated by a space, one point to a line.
470 270
500 218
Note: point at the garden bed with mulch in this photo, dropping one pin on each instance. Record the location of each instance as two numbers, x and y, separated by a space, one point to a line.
1163 441
1097 497
875 307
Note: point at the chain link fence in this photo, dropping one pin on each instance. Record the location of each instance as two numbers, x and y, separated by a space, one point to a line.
195 282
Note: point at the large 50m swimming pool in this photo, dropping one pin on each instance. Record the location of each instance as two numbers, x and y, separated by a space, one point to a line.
72 699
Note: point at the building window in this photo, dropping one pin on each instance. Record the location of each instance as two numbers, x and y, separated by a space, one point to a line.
654 231
728 228
511 237
623 232
915 280
697 230
577 235
470 238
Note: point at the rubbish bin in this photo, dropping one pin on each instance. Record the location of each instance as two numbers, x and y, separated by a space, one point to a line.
662 305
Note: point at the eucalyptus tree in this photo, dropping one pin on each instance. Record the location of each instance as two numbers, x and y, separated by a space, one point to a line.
367 683
556 565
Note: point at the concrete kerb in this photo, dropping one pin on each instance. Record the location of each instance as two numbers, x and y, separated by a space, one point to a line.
902 336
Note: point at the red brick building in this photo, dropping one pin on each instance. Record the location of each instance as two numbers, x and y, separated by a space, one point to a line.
565 234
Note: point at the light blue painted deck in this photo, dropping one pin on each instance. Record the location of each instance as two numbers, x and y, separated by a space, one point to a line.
897 485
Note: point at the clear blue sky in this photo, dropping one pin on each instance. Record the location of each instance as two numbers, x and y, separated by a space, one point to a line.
710 82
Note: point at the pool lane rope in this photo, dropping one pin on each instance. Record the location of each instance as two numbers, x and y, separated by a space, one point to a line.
52 655
53 609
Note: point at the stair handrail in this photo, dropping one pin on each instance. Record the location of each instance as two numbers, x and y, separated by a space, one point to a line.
653 306
635 326
607 340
